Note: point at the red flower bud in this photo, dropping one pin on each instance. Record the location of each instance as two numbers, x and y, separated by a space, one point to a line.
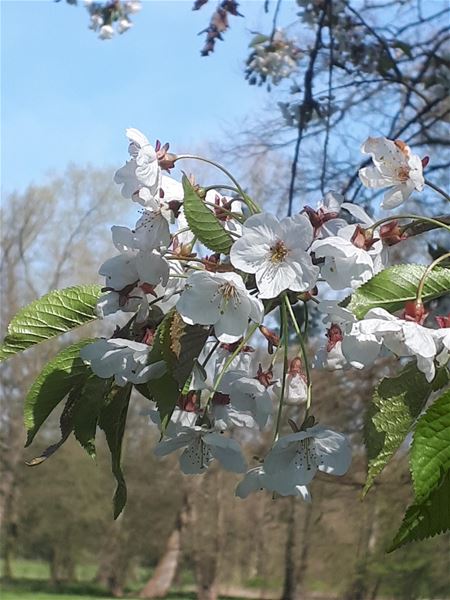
415 311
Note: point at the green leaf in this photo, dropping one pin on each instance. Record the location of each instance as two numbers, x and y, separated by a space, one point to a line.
186 343
427 518
112 420
179 345
396 403
50 316
165 392
394 286
203 222
65 372
87 409
430 450
66 427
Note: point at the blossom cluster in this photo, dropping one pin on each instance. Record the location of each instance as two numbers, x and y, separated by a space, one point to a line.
112 16
272 59
160 269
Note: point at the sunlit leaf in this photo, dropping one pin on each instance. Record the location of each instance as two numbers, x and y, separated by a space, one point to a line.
427 518
394 286
203 222
56 313
430 450
396 403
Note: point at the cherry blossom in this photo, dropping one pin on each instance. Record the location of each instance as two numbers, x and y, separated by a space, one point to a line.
276 252
324 218
256 479
352 256
296 389
202 446
122 359
112 302
378 329
249 395
294 459
142 170
222 300
394 166
442 339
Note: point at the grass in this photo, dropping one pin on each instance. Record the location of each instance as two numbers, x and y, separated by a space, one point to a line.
35 589
31 582
20 594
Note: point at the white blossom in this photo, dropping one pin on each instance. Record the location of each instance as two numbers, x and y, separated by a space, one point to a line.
142 170
133 267
352 256
275 251
378 329
178 419
106 32
325 217
202 446
222 300
249 395
394 166
294 459
442 339
123 25
122 359
296 389
112 302
204 378
120 270
256 479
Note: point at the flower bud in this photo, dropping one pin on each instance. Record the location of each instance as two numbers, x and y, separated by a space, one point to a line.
391 233
415 311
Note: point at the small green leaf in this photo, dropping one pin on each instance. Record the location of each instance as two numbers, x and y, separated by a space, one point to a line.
91 399
427 518
112 420
65 372
50 316
203 222
396 403
430 450
394 286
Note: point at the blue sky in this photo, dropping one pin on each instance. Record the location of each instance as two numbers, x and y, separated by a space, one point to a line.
68 96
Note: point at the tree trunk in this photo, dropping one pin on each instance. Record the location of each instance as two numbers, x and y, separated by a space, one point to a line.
206 531
7 572
161 582
114 562
305 545
359 586
289 585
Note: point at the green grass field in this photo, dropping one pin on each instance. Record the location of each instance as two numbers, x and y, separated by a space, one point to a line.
31 582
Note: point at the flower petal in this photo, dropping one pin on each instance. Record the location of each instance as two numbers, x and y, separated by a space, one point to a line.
227 451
